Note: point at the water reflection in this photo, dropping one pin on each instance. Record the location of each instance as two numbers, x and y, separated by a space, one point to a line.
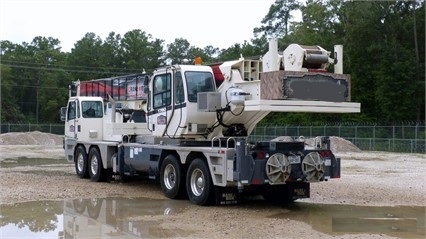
88 218
17 162
398 221
118 217
144 218
39 216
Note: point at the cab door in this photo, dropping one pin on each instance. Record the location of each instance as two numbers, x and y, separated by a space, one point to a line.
161 101
71 119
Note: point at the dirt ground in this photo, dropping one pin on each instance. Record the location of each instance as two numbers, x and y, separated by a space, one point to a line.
367 179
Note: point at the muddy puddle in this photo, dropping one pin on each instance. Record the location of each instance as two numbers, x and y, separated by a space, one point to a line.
20 162
397 221
88 218
140 218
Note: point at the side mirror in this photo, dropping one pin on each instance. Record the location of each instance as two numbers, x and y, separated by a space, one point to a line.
145 85
63 113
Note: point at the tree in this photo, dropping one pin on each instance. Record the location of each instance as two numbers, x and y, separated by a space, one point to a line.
47 54
86 59
178 52
276 21
111 52
10 110
30 69
318 27
140 50
382 58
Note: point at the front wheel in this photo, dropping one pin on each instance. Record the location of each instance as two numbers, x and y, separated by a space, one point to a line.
199 184
80 160
96 170
172 178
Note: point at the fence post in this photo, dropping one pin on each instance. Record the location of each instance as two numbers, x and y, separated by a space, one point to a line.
374 135
356 131
415 135
369 142
393 138
275 131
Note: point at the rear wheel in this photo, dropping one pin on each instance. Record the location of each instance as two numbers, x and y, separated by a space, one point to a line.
96 170
80 160
199 184
172 178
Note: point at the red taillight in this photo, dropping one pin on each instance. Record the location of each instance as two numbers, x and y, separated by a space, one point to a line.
325 154
260 155
256 181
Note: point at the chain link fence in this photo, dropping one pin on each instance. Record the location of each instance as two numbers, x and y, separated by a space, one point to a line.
394 138
46 128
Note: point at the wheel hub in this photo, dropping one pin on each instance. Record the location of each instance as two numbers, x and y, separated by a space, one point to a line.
169 176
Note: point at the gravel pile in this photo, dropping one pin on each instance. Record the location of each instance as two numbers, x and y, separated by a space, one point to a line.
338 145
368 179
30 138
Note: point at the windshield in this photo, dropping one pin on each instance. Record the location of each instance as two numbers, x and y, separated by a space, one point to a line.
198 82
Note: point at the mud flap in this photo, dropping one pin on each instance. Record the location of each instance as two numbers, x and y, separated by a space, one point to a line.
299 190
336 169
226 196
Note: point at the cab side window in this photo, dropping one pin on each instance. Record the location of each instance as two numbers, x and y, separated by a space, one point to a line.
72 112
179 94
162 90
92 109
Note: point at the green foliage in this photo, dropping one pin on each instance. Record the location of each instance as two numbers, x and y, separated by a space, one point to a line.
276 22
141 51
384 51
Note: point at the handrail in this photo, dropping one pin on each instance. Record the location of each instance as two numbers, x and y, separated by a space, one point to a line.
220 144
227 142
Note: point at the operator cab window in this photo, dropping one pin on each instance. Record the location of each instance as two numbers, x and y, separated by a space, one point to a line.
92 109
162 91
198 82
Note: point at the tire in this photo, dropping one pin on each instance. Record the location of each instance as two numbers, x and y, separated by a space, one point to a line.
199 184
80 160
94 207
96 169
79 205
172 178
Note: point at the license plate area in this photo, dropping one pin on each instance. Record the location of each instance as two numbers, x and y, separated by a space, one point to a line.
294 159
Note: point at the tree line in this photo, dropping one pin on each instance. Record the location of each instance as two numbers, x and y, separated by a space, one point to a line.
384 51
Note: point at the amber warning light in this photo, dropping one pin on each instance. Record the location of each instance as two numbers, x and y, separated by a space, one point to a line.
198 61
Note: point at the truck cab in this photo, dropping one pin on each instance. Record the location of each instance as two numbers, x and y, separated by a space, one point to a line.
173 100
87 109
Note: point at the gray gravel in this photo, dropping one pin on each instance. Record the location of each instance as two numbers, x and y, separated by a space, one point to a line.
368 178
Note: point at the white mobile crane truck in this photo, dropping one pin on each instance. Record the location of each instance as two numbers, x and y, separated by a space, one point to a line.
188 126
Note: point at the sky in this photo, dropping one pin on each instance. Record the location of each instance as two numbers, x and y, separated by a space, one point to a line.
219 23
